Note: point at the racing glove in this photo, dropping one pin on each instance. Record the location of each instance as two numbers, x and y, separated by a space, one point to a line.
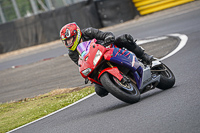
109 40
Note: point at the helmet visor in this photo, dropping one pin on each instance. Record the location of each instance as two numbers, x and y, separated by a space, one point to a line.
68 41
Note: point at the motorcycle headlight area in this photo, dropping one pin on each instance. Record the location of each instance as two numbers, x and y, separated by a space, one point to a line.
86 71
97 57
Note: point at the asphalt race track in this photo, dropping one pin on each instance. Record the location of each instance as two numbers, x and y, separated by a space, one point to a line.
172 111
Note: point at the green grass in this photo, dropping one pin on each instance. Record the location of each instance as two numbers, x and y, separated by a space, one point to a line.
15 114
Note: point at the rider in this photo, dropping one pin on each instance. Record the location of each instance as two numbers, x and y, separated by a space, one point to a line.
71 35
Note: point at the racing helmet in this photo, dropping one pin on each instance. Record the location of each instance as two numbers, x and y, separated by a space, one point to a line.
70 35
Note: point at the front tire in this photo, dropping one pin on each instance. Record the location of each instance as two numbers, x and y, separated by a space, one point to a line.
127 92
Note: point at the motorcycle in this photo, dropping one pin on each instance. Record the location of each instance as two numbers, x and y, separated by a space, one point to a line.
120 72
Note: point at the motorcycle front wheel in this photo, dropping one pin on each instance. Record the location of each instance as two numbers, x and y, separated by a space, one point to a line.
125 91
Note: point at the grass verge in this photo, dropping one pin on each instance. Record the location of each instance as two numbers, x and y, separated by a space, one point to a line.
15 114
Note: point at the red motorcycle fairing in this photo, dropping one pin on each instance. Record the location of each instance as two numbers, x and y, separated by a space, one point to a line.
88 55
112 70
87 51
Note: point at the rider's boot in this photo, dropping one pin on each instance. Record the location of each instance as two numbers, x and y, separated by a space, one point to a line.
147 58
101 91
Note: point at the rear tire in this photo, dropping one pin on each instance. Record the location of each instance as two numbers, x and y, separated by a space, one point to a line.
167 78
128 92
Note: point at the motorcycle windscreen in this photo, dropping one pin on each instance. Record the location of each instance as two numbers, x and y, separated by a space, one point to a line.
83 48
129 60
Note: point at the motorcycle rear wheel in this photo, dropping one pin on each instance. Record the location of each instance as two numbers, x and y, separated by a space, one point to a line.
167 78
127 92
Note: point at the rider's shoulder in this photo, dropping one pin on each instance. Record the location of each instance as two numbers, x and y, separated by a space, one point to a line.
88 30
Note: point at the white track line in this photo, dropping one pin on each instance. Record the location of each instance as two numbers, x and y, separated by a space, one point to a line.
183 42
53 112
139 42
